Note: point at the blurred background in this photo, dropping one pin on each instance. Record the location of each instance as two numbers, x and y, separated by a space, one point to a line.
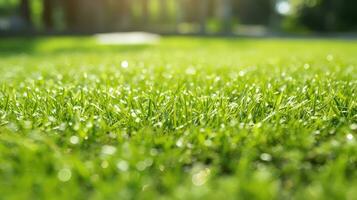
202 17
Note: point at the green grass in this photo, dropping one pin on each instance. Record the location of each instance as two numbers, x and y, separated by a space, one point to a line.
188 118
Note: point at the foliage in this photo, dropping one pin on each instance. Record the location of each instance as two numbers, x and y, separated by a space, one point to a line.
254 11
7 7
327 15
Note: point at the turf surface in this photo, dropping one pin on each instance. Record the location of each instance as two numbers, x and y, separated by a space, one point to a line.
187 118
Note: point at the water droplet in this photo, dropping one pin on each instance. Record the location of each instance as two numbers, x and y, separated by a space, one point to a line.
179 142
349 137
51 119
124 64
201 177
154 152
74 139
141 166
148 162
265 157
158 124
122 165
217 79
329 57
317 132
108 150
190 71
64 175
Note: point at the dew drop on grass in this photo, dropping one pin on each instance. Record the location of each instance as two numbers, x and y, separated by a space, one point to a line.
137 120
190 71
148 162
353 127
335 143
62 126
162 168
133 114
179 143
76 126
317 132
332 131
265 157
89 125
51 119
27 124
108 150
141 166
217 79
74 139
329 57
158 124
112 135
122 165
208 143
349 137
124 64
154 152
201 177
64 175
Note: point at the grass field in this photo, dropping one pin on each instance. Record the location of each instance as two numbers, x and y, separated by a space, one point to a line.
187 118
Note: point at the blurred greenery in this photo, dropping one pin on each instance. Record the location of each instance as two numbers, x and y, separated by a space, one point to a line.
327 15
178 16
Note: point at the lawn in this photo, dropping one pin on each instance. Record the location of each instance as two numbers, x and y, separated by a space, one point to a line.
187 118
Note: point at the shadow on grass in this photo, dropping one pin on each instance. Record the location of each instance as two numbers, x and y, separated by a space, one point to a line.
60 45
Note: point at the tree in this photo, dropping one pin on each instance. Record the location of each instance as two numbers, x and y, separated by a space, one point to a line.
328 15
203 15
122 13
226 15
145 11
163 10
47 16
86 15
71 8
254 11
25 12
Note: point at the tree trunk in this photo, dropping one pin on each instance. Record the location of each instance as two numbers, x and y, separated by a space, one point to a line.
163 10
124 14
180 14
226 13
145 11
25 12
47 16
203 15
274 18
71 8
